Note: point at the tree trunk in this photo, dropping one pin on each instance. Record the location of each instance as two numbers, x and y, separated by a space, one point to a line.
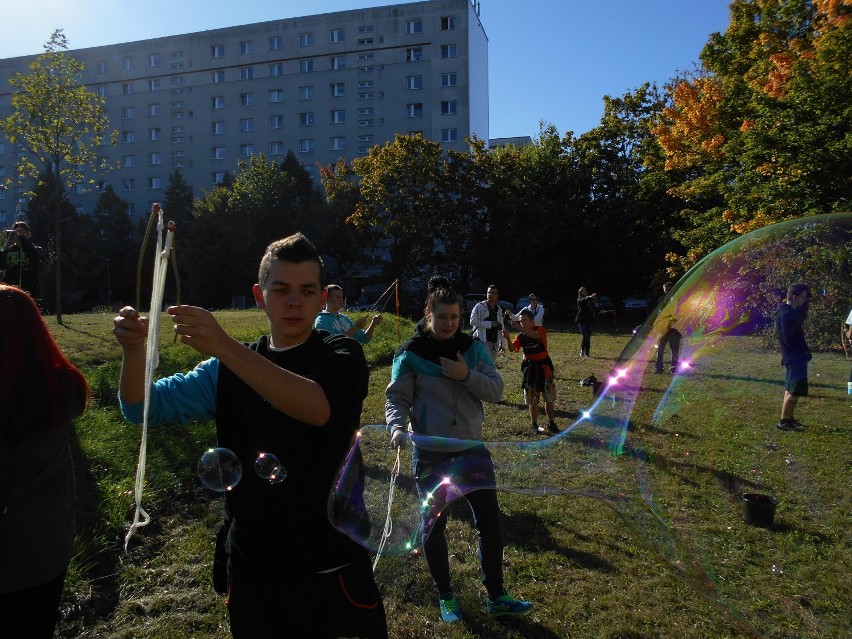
57 222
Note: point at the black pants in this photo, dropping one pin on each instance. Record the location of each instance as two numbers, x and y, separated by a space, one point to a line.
343 603
586 338
672 338
428 469
32 613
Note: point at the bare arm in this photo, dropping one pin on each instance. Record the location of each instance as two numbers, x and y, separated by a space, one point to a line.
300 398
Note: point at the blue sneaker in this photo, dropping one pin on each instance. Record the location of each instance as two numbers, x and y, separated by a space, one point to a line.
506 604
450 610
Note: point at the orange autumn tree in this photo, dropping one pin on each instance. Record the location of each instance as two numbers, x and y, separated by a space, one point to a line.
761 132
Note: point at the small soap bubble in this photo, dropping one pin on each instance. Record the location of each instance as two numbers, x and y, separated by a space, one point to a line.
219 469
267 466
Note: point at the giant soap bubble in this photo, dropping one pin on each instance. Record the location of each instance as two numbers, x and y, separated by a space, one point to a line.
673 454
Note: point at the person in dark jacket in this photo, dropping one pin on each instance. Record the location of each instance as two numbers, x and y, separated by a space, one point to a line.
41 392
296 393
586 310
21 258
795 353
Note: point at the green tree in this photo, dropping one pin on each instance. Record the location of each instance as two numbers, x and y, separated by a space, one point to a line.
762 132
178 201
60 125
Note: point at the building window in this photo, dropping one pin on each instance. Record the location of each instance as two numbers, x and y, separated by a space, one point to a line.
218 177
414 110
177 129
367 137
366 111
338 62
306 39
276 70
127 64
365 41
338 116
448 51
246 47
246 73
154 84
218 152
276 121
127 184
449 107
218 77
101 91
127 88
276 148
338 89
337 35
177 165
366 122
448 79
448 23
366 84
155 158
128 161
276 43
449 135
338 143
217 51
246 99
366 69
155 183
246 150
413 54
154 109
366 28
306 146
414 82
366 95
217 128
413 26
246 125
306 66
154 134
306 93
306 119
362 57
102 67
127 113
177 104
128 136
153 59
178 139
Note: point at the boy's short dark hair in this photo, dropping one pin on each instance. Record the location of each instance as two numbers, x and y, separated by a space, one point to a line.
295 248
797 289
527 313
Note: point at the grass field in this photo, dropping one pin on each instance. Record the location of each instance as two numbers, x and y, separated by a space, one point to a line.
688 568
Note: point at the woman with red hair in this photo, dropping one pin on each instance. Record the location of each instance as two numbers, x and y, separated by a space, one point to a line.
41 392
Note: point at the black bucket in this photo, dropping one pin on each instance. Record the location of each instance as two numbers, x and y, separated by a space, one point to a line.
759 510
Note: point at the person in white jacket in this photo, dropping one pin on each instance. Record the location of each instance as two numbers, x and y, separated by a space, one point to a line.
486 320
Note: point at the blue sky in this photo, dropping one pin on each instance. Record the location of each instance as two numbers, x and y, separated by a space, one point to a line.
551 60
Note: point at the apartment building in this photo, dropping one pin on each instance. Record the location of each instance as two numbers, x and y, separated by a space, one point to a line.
324 86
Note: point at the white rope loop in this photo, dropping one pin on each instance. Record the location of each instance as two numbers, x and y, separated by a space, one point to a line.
152 360
388 528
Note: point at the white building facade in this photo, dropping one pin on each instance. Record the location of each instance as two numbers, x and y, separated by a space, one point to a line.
324 86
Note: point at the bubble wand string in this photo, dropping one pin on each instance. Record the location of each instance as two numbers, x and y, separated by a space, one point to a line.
388 528
152 360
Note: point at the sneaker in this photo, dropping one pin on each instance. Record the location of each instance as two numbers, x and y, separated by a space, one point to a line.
507 605
535 429
791 424
450 610
553 428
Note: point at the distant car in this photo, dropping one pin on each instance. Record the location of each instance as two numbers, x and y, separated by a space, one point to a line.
604 303
635 303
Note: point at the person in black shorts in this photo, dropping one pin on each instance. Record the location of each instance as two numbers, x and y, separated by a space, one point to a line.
795 353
